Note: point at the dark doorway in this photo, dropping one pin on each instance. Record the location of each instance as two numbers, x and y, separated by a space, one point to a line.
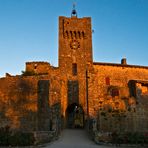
75 116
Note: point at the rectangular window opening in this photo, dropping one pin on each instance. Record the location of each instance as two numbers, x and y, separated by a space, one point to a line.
74 69
115 92
107 80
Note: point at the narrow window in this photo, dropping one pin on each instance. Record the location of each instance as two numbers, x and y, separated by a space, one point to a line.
35 66
79 34
74 69
107 80
71 34
75 34
66 34
83 35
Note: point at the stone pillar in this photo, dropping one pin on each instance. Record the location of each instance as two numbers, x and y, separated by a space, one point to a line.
43 106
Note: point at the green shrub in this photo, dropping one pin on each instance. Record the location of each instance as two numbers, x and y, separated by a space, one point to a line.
132 138
8 138
21 139
28 73
4 136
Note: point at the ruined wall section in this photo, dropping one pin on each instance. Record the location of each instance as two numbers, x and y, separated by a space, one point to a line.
109 92
40 68
19 99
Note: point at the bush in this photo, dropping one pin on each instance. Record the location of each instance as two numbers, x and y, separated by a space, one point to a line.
4 136
8 138
21 139
28 73
132 138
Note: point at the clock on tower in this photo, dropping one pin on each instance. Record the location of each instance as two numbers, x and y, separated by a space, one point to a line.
74 44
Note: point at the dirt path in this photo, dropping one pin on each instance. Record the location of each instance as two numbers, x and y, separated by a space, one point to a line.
72 138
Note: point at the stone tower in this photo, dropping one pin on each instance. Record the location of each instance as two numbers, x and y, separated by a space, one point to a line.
75 53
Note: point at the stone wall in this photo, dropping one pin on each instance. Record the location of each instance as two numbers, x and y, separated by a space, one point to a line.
110 98
21 104
18 100
40 68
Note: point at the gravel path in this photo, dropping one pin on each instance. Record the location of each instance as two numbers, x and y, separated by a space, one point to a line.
72 138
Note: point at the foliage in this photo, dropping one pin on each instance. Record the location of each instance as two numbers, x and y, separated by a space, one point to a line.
4 136
135 138
103 114
32 73
28 73
130 138
21 139
9 138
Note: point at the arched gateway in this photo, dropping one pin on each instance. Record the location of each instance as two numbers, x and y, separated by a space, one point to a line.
74 116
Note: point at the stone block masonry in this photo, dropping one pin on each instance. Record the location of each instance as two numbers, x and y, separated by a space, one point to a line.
47 98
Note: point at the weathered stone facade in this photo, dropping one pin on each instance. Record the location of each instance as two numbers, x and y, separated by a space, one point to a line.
44 97
118 96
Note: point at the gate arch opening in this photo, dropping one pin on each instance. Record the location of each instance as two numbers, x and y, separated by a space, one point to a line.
74 116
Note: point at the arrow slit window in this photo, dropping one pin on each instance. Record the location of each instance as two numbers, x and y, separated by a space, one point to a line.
74 69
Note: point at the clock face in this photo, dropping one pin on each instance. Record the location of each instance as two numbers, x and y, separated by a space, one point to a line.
74 44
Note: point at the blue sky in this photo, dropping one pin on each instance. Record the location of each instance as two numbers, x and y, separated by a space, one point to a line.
29 31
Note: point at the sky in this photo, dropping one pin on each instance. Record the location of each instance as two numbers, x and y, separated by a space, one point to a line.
29 31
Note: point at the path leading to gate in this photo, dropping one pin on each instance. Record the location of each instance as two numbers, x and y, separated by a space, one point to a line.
73 138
